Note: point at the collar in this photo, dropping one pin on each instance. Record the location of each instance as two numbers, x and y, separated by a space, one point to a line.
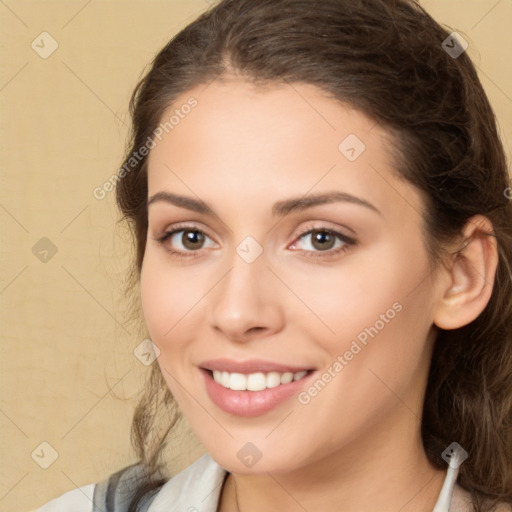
197 489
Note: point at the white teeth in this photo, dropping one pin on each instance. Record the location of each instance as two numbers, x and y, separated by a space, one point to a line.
273 379
255 381
286 377
237 381
299 375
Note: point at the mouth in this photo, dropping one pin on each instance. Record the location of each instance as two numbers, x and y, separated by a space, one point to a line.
252 388
257 381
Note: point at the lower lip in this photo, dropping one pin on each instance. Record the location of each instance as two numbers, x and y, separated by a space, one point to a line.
250 403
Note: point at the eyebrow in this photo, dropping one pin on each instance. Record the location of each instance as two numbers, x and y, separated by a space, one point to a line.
279 209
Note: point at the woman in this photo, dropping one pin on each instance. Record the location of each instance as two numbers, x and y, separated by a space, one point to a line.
321 210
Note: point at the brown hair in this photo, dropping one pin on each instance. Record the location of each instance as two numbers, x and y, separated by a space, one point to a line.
386 59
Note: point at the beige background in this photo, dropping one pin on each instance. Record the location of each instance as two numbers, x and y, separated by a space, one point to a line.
65 341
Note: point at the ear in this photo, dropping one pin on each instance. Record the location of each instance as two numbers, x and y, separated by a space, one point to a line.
471 271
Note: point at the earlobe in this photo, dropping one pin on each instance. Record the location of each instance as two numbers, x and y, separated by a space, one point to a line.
471 276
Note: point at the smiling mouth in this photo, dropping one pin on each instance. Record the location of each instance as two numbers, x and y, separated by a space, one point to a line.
257 381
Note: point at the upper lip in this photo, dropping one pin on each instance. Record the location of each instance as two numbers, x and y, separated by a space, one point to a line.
251 366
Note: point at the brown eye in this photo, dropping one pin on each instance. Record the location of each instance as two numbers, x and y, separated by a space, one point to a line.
185 241
192 239
322 239
323 243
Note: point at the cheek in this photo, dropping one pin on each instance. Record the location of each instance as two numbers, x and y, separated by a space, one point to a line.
172 297
154 298
378 310
381 317
163 300
343 301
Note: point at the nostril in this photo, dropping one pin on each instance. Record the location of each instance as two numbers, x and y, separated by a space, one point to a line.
256 329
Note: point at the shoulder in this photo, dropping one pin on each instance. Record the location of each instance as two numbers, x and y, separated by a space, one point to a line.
78 500
199 485
461 502
104 496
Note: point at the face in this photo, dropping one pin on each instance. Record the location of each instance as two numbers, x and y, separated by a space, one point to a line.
323 309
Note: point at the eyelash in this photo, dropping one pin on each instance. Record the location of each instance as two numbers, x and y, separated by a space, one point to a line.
347 242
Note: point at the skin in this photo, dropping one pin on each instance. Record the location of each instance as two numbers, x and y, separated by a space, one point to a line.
357 442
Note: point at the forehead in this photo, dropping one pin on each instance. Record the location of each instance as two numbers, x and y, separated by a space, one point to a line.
273 140
231 110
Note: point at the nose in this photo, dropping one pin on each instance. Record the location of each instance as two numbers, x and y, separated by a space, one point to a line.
247 303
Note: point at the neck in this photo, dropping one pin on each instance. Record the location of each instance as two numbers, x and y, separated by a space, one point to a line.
374 473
